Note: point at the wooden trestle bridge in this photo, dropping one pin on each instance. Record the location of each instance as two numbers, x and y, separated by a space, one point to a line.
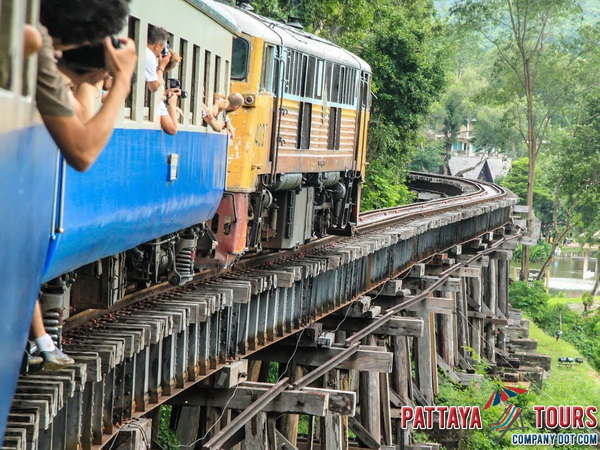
423 285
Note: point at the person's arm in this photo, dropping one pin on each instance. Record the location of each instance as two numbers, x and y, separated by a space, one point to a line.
230 130
163 60
82 142
169 122
208 117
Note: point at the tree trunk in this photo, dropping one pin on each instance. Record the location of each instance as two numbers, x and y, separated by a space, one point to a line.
532 151
597 283
447 156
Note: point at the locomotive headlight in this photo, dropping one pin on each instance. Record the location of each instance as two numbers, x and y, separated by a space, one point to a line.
249 99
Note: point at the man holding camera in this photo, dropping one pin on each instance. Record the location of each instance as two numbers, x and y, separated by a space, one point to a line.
157 57
69 24
80 134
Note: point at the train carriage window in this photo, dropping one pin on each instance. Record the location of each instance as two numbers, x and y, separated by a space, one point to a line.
183 46
7 10
303 75
206 91
218 80
327 77
133 32
266 76
318 93
288 72
194 89
240 58
304 125
309 83
342 85
300 73
226 72
29 65
335 84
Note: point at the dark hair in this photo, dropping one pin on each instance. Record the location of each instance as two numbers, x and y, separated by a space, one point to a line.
79 21
157 34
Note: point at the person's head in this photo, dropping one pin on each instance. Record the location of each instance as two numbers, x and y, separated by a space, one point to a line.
173 61
235 100
80 22
157 39
220 100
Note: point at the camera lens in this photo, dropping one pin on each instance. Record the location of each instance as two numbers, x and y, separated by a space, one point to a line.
184 94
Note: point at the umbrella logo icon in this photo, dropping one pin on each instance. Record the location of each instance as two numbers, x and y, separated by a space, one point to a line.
511 414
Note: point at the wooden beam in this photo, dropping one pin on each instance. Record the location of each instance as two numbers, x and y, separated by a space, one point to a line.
396 326
460 272
367 358
442 305
282 442
362 434
294 402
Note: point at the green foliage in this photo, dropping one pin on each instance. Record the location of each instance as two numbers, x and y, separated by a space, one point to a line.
587 300
429 157
384 185
516 181
560 388
538 253
582 331
532 299
167 438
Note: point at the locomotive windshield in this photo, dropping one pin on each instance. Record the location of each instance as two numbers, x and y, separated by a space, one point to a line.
239 66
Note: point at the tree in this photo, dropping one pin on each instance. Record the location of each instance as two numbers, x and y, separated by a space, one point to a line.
536 65
574 171
516 181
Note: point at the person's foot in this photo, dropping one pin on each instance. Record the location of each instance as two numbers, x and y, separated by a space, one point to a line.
56 360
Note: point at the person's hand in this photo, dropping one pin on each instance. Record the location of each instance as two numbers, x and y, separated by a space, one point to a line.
172 96
120 62
163 60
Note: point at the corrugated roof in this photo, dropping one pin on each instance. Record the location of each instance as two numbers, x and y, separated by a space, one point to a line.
218 13
498 167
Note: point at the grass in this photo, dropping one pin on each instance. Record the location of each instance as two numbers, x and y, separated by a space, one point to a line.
578 385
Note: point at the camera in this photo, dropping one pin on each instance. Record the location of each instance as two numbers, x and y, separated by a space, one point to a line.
174 83
87 58
165 50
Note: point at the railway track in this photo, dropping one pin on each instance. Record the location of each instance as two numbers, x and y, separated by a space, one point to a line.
156 343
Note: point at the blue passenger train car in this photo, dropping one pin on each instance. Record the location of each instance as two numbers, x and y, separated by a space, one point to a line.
137 215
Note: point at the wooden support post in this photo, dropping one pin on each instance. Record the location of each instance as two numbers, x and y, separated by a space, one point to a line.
256 433
331 424
474 300
186 424
447 336
401 383
492 303
503 272
423 355
386 418
289 422
370 402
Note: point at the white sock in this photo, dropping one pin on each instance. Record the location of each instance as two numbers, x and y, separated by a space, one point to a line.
45 343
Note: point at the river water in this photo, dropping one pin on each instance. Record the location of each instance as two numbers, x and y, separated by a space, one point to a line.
566 275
